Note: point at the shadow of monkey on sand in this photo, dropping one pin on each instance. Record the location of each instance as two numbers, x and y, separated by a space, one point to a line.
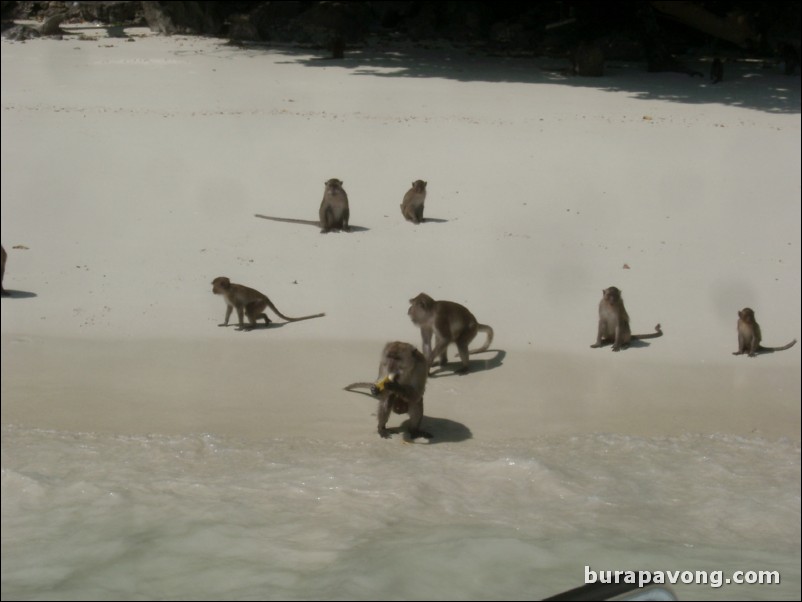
474 365
442 430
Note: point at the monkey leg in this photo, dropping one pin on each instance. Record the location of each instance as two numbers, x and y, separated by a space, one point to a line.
440 347
462 348
415 418
741 345
464 340
326 219
600 336
621 341
384 414
255 310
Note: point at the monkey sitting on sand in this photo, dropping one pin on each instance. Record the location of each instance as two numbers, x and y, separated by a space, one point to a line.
749 336
614 322
334 211
412 205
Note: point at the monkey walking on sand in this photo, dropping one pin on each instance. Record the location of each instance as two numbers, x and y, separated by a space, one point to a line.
248 301
614 322
412 205
749 336
400 385
334 211
450 323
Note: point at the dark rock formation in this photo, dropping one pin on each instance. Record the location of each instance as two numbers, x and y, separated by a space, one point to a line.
588 60
183 17
111 12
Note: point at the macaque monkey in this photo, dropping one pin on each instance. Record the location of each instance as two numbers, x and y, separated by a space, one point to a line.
749 336
412 205
614 322
247 301
402 379
716 71
3 257
450 323
334 211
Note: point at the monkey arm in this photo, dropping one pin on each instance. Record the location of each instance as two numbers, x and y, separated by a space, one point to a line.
383 413
240 314
228 315
426 341
408 393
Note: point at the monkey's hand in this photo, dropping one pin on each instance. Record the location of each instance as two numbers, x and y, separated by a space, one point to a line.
385 383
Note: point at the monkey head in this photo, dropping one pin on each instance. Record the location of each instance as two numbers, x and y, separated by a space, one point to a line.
612 295
747 315
333 185
419 186
420 308
221 285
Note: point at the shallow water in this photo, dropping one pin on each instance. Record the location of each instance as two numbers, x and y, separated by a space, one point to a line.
90 516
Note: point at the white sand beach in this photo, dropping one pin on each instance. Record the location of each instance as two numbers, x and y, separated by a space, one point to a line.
132 170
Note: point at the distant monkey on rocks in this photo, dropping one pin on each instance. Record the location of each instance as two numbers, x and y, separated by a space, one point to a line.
400 385
249 302
412 205
749 336
614 322
450 323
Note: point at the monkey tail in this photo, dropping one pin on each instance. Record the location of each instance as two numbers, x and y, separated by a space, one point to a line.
489 332
275 309
360 385
288 220
354 386
658 332
783 348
